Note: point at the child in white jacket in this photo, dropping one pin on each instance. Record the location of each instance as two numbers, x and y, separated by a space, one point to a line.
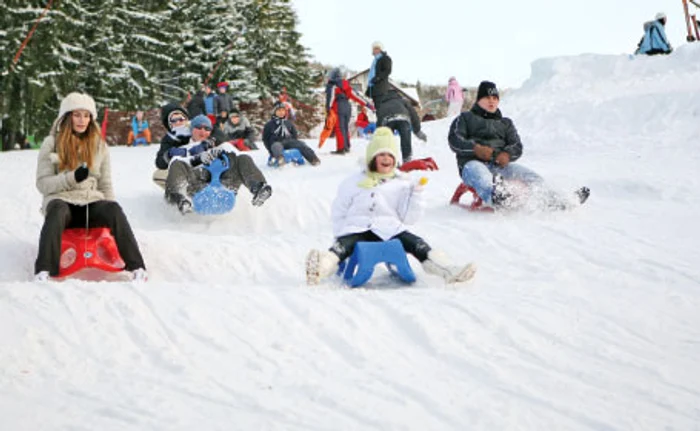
376 205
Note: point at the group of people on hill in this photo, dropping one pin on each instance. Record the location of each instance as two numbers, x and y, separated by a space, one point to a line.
377 204
392 110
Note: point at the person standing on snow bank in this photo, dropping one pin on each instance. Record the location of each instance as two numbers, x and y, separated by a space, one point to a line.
454 97
376 205
338 96
397 113
188 155
654 40
280 134
486 144
74 176
379 71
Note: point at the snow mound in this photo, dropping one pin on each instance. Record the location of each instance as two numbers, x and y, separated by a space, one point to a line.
579 320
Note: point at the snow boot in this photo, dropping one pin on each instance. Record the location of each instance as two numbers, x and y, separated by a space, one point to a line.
583 193
436 264
139 275
500 197
261 193
320 264
42 276
185 206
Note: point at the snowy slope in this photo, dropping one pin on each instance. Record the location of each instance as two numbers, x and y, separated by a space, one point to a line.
579 320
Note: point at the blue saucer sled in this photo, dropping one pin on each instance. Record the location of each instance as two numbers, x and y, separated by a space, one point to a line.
359 267
290 156
215 199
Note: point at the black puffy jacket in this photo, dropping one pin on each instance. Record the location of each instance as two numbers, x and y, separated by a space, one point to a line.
478 126
381 77
391 107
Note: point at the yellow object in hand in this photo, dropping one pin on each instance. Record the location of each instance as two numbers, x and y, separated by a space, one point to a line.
423 181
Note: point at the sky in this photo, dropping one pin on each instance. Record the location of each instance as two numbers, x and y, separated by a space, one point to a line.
475 40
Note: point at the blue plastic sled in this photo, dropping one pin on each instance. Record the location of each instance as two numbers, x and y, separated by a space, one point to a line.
140 141
215 198
359 267
290 156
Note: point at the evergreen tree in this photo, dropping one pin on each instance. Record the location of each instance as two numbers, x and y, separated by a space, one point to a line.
281 60
214 47
111 49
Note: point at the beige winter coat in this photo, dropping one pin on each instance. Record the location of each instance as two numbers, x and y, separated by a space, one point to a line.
62 185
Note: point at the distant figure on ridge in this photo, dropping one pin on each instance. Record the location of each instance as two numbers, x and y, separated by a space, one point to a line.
454 97
654 40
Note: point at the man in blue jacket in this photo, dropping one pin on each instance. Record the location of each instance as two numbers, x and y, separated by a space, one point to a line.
654 40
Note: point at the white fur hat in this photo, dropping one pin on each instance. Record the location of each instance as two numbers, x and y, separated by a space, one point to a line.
660 15
378 44
72 102
75 101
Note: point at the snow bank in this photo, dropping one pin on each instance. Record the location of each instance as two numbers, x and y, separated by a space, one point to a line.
577 321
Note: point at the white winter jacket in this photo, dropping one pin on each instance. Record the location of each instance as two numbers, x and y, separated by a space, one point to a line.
62 185
385 209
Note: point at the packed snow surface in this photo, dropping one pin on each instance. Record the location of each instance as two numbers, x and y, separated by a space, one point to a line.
579 320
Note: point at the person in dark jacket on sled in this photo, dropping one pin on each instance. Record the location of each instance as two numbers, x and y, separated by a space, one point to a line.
187 148
486 145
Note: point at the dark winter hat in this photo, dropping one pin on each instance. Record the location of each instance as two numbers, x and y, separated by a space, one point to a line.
487 88
169 111
200 121
278 105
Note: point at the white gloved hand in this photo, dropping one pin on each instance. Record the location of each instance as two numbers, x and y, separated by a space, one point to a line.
211 155
182 131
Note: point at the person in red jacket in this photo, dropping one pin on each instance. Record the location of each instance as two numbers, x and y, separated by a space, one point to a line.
338 96
364 127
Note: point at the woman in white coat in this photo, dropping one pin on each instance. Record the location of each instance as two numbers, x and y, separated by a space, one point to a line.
376 205
74 176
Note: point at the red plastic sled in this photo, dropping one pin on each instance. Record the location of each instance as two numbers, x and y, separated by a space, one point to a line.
476 203
426 164
94 248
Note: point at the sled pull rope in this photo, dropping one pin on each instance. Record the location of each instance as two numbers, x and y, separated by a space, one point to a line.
87 254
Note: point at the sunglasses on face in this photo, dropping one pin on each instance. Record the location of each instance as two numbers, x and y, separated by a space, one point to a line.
207 128
176 120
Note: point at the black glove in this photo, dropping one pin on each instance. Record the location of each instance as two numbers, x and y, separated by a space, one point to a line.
81 173
421 136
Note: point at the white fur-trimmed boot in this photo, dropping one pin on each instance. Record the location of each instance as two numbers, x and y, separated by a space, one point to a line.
320 264
437 264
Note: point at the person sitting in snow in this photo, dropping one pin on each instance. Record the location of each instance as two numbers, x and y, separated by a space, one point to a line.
486 145
376 205
74 175
187 148
139 129
364 126
654 40
397 113
280 134
239 132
